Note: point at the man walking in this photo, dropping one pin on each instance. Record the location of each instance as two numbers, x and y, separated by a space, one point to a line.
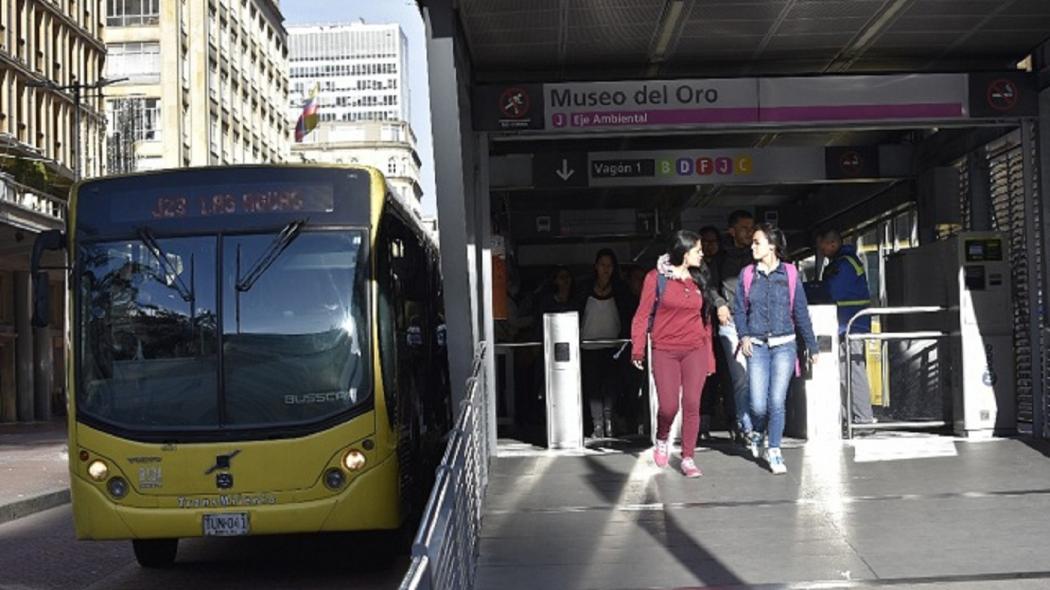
716 388
734 258
846 285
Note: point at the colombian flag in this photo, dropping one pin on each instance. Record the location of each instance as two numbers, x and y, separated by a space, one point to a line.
308 118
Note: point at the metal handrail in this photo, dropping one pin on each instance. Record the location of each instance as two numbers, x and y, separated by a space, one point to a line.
446 545
920 335
530 344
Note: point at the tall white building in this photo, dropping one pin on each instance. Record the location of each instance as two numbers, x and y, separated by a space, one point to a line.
361 75
204 82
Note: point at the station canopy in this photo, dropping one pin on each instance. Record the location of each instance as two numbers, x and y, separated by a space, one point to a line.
577 40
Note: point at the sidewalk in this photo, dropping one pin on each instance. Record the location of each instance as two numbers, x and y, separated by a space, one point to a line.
896 512
34 468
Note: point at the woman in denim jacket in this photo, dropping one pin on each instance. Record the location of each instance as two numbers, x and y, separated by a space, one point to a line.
766 322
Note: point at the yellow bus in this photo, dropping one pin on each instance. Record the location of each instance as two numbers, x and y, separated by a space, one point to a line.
252 350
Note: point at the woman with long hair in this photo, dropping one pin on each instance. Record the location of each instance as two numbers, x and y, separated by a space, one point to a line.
604 317
767 312
673 310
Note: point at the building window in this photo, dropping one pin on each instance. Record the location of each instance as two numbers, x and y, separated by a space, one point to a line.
136 119
390 133
129 13
391 166
137 61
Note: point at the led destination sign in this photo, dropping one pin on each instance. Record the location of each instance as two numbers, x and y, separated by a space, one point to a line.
223 200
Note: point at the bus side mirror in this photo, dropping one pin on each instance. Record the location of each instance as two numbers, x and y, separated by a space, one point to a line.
49 240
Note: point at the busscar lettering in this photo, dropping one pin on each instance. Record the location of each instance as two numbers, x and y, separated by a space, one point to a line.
319 398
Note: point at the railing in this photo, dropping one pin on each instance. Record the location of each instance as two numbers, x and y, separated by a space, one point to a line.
884 336
445 551
31 199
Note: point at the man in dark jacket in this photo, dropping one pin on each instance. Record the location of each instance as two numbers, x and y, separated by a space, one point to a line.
846 285
734 258
717 389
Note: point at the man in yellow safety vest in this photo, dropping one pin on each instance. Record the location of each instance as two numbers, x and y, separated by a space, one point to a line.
846 285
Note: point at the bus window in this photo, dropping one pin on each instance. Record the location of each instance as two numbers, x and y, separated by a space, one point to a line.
403 335
149 319
292 342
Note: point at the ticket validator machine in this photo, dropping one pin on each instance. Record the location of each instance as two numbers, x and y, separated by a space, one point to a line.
969 274
813 406
561 359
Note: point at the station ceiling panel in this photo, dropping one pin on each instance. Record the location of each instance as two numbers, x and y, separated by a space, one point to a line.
554 40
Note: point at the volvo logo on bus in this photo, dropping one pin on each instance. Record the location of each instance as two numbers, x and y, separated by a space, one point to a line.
222 462
224 480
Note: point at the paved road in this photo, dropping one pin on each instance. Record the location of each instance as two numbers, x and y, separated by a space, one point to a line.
39 552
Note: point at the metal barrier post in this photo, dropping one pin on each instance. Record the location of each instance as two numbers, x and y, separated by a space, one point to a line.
849 337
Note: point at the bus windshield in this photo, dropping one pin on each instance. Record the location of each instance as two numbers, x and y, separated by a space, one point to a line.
170 338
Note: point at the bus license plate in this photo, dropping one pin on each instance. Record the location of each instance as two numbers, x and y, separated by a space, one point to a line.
229 524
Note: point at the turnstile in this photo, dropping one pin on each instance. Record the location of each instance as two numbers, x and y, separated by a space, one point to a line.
561 361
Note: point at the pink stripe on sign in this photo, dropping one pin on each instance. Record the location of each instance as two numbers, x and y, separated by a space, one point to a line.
658 117
864 112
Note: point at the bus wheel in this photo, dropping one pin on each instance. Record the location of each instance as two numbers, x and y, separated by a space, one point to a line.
155 553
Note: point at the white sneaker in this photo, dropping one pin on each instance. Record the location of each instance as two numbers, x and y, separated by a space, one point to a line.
754 442
776 461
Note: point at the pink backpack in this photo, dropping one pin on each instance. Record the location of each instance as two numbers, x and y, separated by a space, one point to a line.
749 277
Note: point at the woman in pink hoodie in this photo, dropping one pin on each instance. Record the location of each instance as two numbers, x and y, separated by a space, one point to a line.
673 311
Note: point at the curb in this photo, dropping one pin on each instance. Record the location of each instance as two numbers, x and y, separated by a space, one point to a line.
28 506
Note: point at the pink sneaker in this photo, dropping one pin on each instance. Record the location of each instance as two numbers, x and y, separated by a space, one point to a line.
660 455
689 468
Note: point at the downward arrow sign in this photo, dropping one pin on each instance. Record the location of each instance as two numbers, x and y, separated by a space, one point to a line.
565 173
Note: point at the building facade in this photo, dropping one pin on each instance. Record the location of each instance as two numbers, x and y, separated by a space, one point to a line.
204 83
388 146
51 131
360 74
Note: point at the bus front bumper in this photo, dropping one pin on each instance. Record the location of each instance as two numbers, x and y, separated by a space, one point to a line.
369 502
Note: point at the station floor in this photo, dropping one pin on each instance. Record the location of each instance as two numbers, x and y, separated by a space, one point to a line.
885 511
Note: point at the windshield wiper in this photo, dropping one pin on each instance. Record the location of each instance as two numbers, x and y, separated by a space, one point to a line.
277 246
147 238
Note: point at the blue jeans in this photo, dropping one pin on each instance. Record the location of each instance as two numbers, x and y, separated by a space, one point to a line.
737 364
770 370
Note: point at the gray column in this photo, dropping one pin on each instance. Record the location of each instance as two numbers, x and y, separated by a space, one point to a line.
8 396
484 222
24 347
43 368
449 112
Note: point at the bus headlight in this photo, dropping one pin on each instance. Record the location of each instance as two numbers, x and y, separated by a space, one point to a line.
334 478
118 488
98 470
354 460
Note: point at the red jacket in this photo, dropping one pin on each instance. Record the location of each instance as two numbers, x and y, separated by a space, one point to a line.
678 324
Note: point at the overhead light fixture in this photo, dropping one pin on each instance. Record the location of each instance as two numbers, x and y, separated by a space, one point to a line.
869 34
668 26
